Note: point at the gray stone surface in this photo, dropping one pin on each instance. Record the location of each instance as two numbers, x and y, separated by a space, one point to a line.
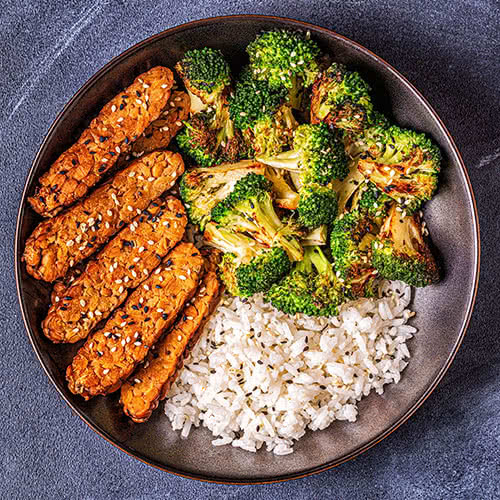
450 51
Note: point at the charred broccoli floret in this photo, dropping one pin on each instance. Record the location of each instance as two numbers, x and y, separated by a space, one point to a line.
350 240
287 59
318 236
341 99
312 288
249 209
317 206
402 163
317 155
400 251
206 75
247 267
209 139
202 188
266 122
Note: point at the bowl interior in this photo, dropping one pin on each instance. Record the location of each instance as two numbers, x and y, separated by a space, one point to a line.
442 310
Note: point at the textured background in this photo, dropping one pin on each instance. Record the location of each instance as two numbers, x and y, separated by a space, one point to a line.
449 50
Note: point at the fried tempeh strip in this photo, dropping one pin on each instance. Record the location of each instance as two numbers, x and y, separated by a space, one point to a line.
159 134
116 127
59 243
124 263
110 355
142 392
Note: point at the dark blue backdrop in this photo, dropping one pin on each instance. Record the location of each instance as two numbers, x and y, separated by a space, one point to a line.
450 51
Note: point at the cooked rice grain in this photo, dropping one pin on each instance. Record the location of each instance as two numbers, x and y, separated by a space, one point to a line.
258 376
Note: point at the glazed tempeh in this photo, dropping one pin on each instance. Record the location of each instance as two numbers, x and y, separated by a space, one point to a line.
113 131
150 383
59 243
159 134
110 355
126 261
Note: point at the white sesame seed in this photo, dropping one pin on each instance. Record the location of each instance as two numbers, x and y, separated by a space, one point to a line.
178 123
122 342
120 119
137 381
131 174
113 349
165 128
160 278
179 338
137 343
128 340
151 179
91 345
189 318
160 310
113 108
146 287
75 330
138 101
118 281
126 279
120 290
118 150
158 271
130 208
107 334
181 277
110 213
132 228
134 274
151 242
98 313
164 86
145 85
136 334
123 323
115 265
69 243
141 300
141 249
82 303
57 299
105 371
90 314
145 271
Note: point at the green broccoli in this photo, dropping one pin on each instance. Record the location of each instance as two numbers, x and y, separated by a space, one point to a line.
211 140
287 59
317 155
259 112
247 267
341 99
317 206
400 251
202 188
350 242
207 76
402 163
249 209
312 288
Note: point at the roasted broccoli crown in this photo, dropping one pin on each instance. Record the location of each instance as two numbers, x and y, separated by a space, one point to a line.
260 113
402 163
350 241
312 288
341 99
247 267
400 251
317 155
206 75
202 188
282 57
210 139
249 209
317 206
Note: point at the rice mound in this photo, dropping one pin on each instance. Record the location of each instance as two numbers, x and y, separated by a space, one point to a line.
258 376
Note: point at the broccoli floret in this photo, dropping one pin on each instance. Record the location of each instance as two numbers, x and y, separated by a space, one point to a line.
317 206
247 267
249 209
211 139
206 75
403 164
341 99
400 251
312 288
285 59
350 241
317 155
259 112
202 188
284 194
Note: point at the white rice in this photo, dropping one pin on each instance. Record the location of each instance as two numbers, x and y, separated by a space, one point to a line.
258 376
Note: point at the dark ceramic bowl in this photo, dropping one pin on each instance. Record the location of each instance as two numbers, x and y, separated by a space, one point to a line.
443 310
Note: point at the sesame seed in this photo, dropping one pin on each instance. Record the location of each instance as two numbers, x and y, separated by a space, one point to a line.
137 381
178 123
151 242
179 338
107 334
122 342
105 371
82 303
138 343
118 281
57 299
141 249
151 179
120 290
138 101
164 86
122 324
130 208
128 340
134 274
115 265
98 313
69 243
181 277
146 287
75 330
113 349
145 271
126 279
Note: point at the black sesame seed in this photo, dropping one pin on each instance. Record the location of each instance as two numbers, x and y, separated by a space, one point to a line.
63 308
178 216
73 161
99 353
68 298
121 223
141 219
93 239
146 309
130 323
164 316
126 140
112 153
137 93
89 245
122 105
63 172
158 256
102 168
124 96
102 138
157 286
260 362
124 316
86 212
323 387
135 308
87 142
169 262
92 152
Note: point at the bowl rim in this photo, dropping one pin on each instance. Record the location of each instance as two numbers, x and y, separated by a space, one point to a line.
472 294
